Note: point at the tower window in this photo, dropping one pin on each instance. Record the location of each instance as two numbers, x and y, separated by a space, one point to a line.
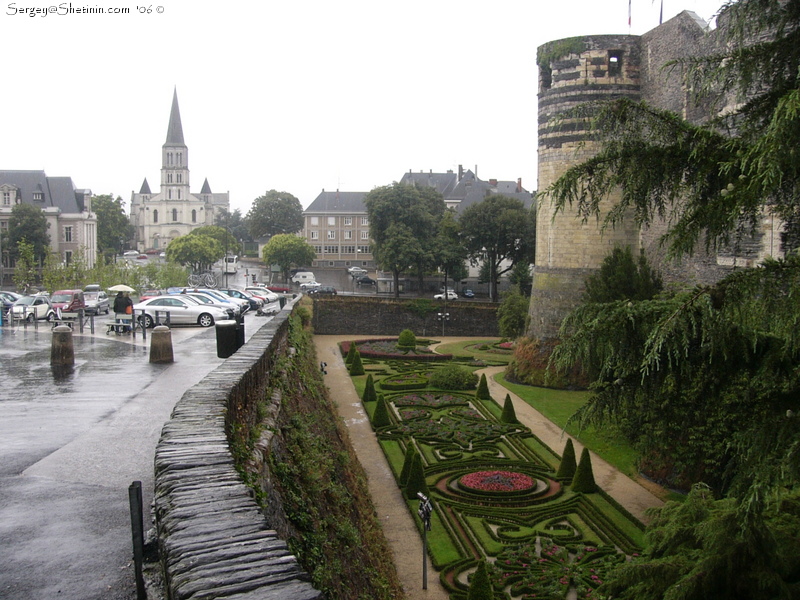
614 63
194 216
155 216
174 214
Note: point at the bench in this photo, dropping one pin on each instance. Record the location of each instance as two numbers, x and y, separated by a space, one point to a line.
69 319
123 323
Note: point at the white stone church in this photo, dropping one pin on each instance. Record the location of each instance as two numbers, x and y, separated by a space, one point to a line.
175 210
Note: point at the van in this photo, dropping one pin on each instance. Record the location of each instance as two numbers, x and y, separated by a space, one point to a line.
303 277
68 300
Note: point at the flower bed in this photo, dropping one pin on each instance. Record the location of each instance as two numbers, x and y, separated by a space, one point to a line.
387 349
497 482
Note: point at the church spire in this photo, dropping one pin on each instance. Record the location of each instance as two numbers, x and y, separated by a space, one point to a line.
175 129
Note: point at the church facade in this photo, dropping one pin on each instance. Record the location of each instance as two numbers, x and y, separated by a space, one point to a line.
159 218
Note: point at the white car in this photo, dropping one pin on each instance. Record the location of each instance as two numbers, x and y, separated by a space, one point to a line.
309 285
451 295
356 271
182 311
32 308
264 293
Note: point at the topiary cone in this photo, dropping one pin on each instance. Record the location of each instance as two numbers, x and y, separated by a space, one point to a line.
369 390
416 479
380 418
566 470
411 451
480 586
356 367
350 353
584 477
508 415
483 389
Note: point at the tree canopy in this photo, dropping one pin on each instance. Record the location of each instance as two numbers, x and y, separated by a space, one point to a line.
198 252
499 230
275 213
287 250
621 277
28 224
114 229
225 238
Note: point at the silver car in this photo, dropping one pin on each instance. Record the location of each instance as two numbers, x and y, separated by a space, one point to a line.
33 308
182 311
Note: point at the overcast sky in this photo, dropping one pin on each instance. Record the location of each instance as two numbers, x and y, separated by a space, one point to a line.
291 95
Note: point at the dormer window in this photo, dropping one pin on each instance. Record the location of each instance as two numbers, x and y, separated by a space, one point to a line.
38 197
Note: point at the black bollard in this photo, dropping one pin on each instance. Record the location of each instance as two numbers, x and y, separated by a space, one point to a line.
161 345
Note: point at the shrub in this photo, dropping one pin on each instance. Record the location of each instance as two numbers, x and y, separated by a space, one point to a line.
356 367
407 339
380 417
509 415
483 389
453 377
369 390
351 352
584 477
566 470
416 479
411 451
480 587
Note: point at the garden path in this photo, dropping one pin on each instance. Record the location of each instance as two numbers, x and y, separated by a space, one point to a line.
398 526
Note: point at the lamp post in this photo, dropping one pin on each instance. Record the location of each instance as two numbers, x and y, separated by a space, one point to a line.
424 511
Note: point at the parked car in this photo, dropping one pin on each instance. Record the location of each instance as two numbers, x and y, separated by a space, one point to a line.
279 289
365 280
323 290
182 311
255 303
309 285
230 309
266 295
356 271
241 306
468 293
451 295
302 277
131 254
68 300
147 294
8 299
32 308
96 300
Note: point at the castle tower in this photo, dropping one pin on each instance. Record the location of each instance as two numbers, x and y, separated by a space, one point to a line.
174 211
572 72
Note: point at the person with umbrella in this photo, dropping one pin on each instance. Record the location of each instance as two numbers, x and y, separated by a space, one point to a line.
123 305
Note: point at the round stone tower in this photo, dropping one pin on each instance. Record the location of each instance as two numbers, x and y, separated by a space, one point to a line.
574 71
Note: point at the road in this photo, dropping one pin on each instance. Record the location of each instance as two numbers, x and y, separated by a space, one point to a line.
71 444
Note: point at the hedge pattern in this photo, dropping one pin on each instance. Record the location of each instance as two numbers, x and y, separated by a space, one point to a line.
540 541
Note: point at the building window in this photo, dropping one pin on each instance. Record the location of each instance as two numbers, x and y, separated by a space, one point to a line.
318 249
365 235
315 235
614 63
180 177
169 177
180 158
194 216
174 214
365 221
331 249
169 194
179 193
67 257
331 234
314 221
67 234
348 235
155 216
347 220
6 198
37 196
348 249
331 221
363 250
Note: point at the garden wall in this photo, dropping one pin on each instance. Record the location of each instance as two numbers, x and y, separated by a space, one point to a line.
354 315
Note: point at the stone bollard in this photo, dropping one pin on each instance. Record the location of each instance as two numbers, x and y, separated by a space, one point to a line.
62 352
161 345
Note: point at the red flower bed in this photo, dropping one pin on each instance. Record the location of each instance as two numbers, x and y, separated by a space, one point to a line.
497 481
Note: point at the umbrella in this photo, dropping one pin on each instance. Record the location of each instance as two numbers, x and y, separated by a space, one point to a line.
121 288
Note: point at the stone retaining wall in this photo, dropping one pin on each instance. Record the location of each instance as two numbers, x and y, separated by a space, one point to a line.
213 539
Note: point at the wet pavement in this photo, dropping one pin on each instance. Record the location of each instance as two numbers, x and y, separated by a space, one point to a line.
72 442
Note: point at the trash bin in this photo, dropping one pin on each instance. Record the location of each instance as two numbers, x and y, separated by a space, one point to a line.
239 331
282 301
227 338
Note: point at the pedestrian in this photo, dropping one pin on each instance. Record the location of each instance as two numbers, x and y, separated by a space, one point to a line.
128 310
119 309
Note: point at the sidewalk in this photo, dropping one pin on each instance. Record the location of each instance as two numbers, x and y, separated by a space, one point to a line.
397 523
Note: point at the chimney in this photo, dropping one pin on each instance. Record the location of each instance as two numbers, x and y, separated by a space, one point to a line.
460 172
519 185
493 182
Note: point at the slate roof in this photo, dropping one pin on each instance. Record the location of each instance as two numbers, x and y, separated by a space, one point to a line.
175 128
206 189
145 187
58 192
338 202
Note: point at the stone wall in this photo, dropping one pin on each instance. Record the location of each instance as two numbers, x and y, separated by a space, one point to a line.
213 539
347 315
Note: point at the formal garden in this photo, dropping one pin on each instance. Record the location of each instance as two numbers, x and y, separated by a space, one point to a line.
528 516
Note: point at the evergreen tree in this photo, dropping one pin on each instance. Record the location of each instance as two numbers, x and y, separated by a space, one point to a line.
480 586
416 479
370 395
411 451
351 352
584 477
356 367
508 415
380 418
566 469
483 389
